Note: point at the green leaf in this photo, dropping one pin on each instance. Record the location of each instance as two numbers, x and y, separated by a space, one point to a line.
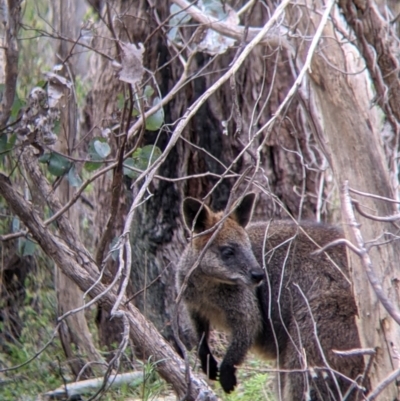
129 172
73 177
148 92
28 248
18 104
155 121
141 159
57 127
150 153
7 144
92 166
58 165
3 143
15 224
120 101
102 148
44 158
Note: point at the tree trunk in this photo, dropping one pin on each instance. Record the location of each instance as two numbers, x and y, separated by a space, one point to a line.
74 329
354 148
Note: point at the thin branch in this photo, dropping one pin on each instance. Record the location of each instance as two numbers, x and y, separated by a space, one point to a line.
340 241
383 198
387 219
383 384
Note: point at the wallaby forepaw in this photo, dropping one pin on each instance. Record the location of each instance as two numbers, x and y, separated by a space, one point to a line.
227 378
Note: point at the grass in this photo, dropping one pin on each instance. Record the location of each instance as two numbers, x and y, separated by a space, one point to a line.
253 384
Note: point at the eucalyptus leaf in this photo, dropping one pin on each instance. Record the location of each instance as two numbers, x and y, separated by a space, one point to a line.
73 177
102 148
92 166
44 158
28 247
16 224
129 172
58 165
148 92
7 143
155 121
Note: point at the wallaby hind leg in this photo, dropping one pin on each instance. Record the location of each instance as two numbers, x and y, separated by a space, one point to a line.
323 324
208 363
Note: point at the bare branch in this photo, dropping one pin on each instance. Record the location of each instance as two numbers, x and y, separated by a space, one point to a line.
383 384
387 219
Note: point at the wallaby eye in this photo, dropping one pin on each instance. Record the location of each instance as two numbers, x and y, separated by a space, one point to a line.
227 252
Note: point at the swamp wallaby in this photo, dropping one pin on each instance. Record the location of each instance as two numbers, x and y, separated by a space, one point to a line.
264 286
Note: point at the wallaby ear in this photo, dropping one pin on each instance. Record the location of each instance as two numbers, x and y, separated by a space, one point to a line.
242 213
191 208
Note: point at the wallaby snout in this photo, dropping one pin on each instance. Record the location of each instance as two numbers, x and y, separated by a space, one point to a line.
257 276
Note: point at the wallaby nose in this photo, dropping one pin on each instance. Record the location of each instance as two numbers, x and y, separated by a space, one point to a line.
257 276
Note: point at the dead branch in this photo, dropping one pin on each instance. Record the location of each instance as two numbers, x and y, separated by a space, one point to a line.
142 332
132 379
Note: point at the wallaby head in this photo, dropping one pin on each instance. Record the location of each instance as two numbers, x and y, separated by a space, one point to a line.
229 258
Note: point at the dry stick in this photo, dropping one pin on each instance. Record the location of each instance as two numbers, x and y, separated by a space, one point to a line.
363 254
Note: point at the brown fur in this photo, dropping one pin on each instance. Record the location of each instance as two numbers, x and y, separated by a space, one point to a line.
301 311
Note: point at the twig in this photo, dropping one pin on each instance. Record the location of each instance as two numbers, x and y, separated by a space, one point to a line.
387 219
355 351
340 241
355 191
